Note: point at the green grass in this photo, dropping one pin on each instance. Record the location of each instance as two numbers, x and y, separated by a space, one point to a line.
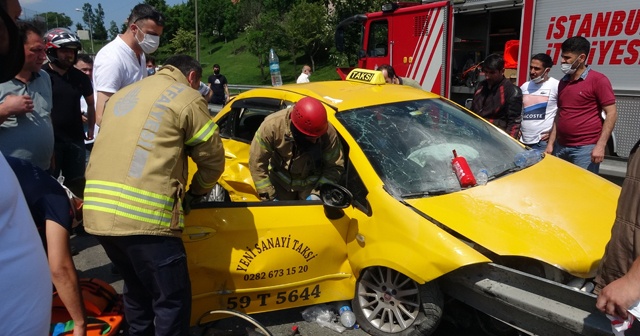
239 65
242 67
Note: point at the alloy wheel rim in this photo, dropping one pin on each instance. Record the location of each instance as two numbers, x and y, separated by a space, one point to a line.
389 300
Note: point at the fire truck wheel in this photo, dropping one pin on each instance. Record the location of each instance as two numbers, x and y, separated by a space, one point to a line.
390 303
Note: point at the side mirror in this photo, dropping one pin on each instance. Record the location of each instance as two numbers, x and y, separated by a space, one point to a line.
335 196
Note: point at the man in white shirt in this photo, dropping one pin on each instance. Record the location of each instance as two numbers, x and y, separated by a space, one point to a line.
122 61
304 76
540 98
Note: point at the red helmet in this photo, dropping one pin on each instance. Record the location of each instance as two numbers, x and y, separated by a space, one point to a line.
310 117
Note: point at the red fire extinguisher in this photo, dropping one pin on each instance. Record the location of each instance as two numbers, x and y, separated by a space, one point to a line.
462 170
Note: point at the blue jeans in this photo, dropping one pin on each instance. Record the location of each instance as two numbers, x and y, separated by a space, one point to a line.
542 145
578 155
157 290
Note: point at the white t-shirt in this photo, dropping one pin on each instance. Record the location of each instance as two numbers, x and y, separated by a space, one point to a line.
540 104
303 78
25 279
116 66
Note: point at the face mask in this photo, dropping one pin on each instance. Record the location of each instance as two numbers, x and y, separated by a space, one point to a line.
540 78
151 71
568 68
149 42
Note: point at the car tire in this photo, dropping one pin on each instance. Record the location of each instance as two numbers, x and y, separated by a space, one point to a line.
382 310
218 194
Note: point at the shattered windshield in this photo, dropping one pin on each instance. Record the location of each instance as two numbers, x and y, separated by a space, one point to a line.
410 145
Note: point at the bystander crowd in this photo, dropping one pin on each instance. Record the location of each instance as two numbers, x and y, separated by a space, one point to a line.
618 276
219 86
122 61
580 133
304 75
497 99
26 131
539 100
25 282
69 86
391 77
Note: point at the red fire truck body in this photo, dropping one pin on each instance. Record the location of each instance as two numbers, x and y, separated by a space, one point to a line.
439 44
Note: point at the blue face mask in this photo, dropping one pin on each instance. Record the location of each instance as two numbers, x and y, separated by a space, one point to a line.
151 71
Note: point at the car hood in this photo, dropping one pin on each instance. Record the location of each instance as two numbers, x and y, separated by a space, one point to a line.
552 211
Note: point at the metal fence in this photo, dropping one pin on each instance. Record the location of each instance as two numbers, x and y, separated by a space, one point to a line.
239 88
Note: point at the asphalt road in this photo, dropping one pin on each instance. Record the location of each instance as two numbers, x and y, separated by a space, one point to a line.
92 262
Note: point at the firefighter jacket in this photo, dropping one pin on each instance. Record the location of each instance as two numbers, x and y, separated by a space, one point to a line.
501 105
275 157
137 171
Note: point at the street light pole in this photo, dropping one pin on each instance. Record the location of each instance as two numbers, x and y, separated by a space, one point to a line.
90 29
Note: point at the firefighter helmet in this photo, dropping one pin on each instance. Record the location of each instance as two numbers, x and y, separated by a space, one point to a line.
310 117
57 38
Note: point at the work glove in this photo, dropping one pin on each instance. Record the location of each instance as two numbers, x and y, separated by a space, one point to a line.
190 199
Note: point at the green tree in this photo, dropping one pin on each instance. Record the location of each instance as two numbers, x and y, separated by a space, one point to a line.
54 20
211 16
113 30
183 42
230 27
160 5
99 30
347 8
170 25
88 17
79 26
249 12
265 33
176 16
279 6
307 31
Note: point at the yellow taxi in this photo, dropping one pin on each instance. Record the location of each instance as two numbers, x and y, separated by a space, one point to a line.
398 220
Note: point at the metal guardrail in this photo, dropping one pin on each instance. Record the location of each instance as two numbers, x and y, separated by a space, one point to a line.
537 305
233 90
237 88
614 167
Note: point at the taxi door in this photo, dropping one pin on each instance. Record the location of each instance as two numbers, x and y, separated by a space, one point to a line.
264 256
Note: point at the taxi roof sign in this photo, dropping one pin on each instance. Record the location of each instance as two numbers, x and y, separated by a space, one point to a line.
366 76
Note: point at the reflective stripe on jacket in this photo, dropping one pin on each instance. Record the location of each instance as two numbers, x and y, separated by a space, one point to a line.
274 157
137 170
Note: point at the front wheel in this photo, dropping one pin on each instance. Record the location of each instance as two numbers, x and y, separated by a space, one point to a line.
389 303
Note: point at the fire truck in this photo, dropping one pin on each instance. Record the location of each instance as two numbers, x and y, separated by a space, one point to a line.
441 43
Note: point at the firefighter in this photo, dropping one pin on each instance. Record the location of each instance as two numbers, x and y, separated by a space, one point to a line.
135 193
294 151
